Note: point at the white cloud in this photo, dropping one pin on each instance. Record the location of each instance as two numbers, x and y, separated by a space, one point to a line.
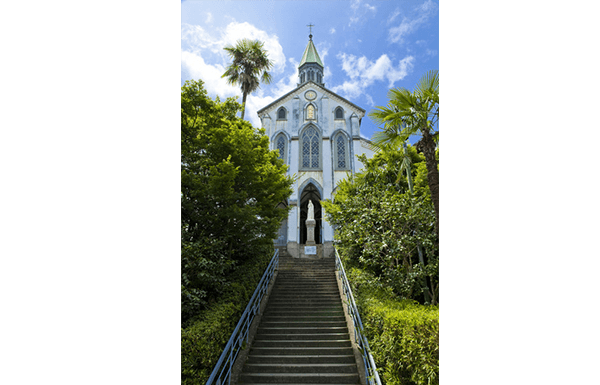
357 14
364 73
393 16
203 57
371 7
323 50
237 31
209 17
210 74
332 30
407 26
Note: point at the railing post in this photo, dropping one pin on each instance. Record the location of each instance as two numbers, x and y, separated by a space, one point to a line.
359 337
242 328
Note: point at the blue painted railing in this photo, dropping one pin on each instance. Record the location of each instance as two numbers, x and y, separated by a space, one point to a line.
221 374
359 336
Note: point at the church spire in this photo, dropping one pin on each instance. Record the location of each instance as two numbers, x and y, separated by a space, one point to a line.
311 66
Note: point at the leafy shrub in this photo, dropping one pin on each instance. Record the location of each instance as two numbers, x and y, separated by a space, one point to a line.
204 340
384 228
403 335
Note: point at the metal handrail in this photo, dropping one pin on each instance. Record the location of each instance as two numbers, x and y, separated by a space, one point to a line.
359 337
221 374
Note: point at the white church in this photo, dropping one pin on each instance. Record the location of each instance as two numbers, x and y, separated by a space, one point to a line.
317 133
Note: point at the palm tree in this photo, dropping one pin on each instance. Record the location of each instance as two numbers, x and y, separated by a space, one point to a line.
249 67
409 113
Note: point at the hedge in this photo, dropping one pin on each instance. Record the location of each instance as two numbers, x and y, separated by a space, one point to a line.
203 342
403 335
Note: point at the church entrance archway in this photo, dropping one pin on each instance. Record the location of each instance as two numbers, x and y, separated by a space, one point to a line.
310 192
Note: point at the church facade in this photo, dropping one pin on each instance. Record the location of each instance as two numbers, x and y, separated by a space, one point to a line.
317 133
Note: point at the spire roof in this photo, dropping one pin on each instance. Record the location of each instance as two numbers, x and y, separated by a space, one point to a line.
310 55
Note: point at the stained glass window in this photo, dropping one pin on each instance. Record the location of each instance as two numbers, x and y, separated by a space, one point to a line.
341 151
310 112
310 148
281 147
281 113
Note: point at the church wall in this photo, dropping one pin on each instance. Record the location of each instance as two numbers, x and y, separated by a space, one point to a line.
327 177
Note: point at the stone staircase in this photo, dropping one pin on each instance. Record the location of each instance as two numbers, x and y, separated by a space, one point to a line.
302 337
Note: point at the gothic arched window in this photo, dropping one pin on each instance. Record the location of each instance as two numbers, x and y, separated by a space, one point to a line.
339 113
341 152
310 148
280 143
281 113
302 77
318 77
310 112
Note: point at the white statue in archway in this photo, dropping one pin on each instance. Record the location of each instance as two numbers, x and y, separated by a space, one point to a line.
311 210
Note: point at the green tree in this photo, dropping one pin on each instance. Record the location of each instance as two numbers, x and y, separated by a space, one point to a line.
231 184
381 225
409 113
249 67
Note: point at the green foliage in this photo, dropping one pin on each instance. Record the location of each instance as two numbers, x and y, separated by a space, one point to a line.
409 113
203 341
403 335
249 66
231 184
381 226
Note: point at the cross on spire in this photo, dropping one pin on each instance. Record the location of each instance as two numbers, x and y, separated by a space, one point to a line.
310 26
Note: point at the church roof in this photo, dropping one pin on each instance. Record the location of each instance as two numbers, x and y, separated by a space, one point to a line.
310 55
308 85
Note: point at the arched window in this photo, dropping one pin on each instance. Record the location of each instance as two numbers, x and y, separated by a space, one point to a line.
318 77
302 77
341 152
280 144
311 75
339 113
310 112
281 113
310 148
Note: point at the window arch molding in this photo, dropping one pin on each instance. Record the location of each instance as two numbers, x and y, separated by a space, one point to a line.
338 113
341 153
310 148
315 112
282 113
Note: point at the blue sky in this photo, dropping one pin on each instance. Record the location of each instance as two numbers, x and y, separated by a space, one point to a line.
367 47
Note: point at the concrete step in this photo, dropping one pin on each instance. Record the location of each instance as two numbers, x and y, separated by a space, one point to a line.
311 285
291 359
304 295
300 301
303 337
302 343
300 351
300 368
301 330
303 307
302 324
307 290
311 313
299 378
299 336
303 318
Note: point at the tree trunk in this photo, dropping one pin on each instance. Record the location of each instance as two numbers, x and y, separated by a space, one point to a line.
427 146
244 104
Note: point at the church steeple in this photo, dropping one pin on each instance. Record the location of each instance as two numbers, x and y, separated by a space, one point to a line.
311 66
